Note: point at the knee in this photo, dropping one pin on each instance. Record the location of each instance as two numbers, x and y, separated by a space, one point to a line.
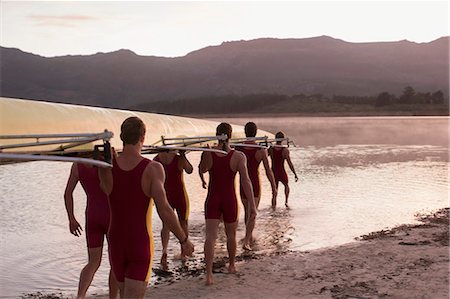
94 264
210 237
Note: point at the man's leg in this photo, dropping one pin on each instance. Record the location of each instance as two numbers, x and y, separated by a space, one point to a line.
121 286
184 226
286 193
274 199
245 204
210 243
87 274
230 229
249 226
257 200
165 235
134 288
113 286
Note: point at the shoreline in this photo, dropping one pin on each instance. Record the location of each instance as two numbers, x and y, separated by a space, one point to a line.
406 261
309 115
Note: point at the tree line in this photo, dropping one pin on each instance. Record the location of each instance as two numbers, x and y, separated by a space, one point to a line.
409 102
409 96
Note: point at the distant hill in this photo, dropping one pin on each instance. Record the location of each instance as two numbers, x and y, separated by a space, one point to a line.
271 66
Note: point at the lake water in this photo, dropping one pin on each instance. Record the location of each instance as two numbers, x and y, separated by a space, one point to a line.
357 175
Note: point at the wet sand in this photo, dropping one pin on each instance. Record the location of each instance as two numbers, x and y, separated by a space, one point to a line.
409 261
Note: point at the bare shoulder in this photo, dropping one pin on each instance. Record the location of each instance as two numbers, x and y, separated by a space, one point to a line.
239 157
74 167
206 158
154 166
154 169
206 155
261 153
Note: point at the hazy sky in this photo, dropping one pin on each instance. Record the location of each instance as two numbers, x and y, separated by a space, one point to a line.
172 28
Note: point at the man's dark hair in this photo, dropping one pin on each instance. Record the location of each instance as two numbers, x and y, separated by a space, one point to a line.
224 128
250 129
279 135
132 130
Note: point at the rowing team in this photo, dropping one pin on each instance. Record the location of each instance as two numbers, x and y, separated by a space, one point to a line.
120 202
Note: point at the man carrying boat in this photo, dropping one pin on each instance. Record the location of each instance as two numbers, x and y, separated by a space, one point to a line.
174 164
279 154
131 185
254 157
97 223
221 201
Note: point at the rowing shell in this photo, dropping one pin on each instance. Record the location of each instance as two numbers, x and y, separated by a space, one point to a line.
37 117
25 117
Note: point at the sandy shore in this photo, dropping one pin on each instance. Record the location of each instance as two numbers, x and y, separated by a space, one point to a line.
409 261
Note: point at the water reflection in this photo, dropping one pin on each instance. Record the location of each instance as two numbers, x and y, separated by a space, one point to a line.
345 190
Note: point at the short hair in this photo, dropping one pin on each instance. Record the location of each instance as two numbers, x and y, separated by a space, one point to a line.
132 130
279 135
250 129
224 128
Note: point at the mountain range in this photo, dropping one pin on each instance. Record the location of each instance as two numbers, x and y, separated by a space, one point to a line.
324 65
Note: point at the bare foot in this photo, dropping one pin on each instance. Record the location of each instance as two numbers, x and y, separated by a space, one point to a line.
209 279
232 269
164 264
246 246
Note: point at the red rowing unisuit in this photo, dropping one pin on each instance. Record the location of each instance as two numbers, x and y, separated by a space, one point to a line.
130 232
221 199
175 189
97 208
278 166
253 168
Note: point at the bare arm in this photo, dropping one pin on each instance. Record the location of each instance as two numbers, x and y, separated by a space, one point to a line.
245 181
106 180
205 162
154 177
74 227
185 164
269 172
204 166
291 166
204 184
270 151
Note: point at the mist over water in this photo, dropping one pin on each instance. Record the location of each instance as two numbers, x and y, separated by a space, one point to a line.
331 131
357 175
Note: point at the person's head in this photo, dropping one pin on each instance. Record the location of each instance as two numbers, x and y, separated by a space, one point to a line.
224 128
279 135
250 129
132 131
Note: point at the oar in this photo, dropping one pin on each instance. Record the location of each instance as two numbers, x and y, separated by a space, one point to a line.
11 158
248 145
185 141
163 148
